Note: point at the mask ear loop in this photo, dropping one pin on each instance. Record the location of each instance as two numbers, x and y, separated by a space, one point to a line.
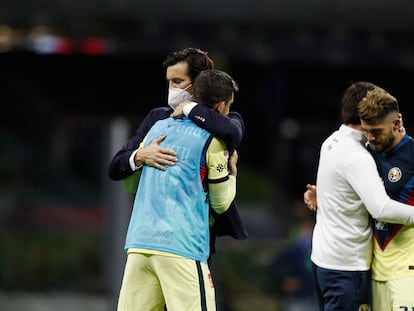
187 87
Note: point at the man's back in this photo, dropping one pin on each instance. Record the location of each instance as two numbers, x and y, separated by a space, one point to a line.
171 207
342 234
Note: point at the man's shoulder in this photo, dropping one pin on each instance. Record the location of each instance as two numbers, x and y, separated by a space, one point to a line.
151 118
216 145
235 115
160 112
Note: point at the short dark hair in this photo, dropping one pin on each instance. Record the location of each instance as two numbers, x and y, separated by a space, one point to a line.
197 60
212 86
351 98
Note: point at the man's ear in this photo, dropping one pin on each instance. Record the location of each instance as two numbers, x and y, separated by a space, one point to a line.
220 106
398 123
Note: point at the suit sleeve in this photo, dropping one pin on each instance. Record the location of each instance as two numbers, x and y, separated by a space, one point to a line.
228 128
119 167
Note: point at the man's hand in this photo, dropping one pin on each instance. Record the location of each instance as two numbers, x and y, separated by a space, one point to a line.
178 111
309 197
233 163
156 156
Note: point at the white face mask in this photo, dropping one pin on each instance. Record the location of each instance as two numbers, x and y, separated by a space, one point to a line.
177 96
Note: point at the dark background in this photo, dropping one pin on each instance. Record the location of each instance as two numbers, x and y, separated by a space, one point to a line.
69 70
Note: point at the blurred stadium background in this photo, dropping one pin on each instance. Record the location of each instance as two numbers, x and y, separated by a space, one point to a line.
77 77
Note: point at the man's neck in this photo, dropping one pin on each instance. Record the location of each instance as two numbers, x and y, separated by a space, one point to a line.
357 127
398 137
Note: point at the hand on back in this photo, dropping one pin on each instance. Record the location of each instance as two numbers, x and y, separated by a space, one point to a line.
156 156
309 197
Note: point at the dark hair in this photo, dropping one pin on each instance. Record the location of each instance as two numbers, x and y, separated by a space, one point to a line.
351 98
197 60
212 86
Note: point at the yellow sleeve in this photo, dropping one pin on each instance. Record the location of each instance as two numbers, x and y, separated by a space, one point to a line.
221 186
130 183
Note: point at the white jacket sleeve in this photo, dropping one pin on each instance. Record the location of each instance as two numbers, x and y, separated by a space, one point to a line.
363 176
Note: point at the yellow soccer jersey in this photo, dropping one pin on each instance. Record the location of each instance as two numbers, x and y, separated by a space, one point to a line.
217 157
221 185
394 243
394 258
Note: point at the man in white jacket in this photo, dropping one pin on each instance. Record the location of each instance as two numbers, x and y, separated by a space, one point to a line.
349 191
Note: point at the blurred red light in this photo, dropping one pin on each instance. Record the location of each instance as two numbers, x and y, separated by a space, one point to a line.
92 46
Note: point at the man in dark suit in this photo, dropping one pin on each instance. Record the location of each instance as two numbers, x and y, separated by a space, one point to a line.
182 67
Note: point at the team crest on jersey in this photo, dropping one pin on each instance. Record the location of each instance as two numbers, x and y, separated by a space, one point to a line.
394 174
220 167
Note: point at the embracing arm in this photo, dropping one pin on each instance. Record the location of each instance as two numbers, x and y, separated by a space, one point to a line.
365 180
221 176
228 128
122 163
222 193
228 220
119 167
